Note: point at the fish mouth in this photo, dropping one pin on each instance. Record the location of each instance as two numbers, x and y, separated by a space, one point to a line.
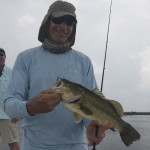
76 100
67 98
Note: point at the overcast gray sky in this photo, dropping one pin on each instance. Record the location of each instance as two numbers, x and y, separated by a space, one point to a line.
127 73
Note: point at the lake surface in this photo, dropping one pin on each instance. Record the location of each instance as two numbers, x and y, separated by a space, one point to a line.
113 141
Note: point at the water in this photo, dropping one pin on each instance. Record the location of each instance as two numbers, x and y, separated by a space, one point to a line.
113 141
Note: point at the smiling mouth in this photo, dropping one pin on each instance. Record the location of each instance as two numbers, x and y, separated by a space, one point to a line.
62 34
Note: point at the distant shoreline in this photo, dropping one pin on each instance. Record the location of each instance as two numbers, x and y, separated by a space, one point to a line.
136 113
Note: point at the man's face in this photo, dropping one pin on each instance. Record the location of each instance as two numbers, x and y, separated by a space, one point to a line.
2 58
60 30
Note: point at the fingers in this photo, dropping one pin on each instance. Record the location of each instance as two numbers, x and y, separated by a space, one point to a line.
95 140
94 137
106 127
48 91
52 100
52 90
43 102
49 100
14 120
49 94
94 123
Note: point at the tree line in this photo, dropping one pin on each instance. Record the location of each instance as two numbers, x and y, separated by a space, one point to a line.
136 113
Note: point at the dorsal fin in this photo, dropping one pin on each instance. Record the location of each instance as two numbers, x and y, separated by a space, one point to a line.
98 92
117 106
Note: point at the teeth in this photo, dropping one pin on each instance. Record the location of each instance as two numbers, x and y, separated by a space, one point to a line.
61 31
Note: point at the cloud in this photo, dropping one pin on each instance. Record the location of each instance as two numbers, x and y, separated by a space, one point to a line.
145 69
24 21
127 73
98 72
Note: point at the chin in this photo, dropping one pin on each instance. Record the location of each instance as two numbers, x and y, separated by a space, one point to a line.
61 42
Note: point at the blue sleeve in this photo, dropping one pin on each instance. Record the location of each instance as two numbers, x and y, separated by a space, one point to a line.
15 101
91 81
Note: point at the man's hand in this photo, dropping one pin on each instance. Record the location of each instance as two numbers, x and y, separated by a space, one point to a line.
44 102
91 131
14 120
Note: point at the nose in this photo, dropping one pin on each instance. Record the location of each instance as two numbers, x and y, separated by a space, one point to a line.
63 28
63 25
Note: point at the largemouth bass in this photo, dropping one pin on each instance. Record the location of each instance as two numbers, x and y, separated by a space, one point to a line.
93 106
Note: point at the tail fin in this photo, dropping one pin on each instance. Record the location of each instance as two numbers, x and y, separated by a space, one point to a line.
129 134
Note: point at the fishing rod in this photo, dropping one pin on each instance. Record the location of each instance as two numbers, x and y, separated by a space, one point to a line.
96 128
106 49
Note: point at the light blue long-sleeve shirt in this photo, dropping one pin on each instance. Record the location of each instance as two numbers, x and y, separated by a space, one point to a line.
35 70
4 81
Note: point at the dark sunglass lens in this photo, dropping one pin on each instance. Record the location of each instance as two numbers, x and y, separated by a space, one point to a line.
2 54
57 20
69 21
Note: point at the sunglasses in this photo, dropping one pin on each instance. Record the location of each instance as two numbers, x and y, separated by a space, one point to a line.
69 21
2 54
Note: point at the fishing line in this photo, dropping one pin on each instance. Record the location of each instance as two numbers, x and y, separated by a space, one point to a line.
96 128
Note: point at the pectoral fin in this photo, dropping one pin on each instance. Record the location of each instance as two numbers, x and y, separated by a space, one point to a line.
77 117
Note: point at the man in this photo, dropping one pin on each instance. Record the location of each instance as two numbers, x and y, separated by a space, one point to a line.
8 127
48 125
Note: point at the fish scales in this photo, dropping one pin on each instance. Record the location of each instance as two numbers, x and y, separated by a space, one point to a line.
101 109
93 106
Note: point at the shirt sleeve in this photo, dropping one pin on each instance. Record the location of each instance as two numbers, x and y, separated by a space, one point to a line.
15 100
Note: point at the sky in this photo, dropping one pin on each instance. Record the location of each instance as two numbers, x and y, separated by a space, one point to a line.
127 68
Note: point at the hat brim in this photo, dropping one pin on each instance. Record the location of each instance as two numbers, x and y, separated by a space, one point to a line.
62 13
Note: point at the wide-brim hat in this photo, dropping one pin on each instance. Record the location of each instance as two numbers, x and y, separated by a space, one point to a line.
58 9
